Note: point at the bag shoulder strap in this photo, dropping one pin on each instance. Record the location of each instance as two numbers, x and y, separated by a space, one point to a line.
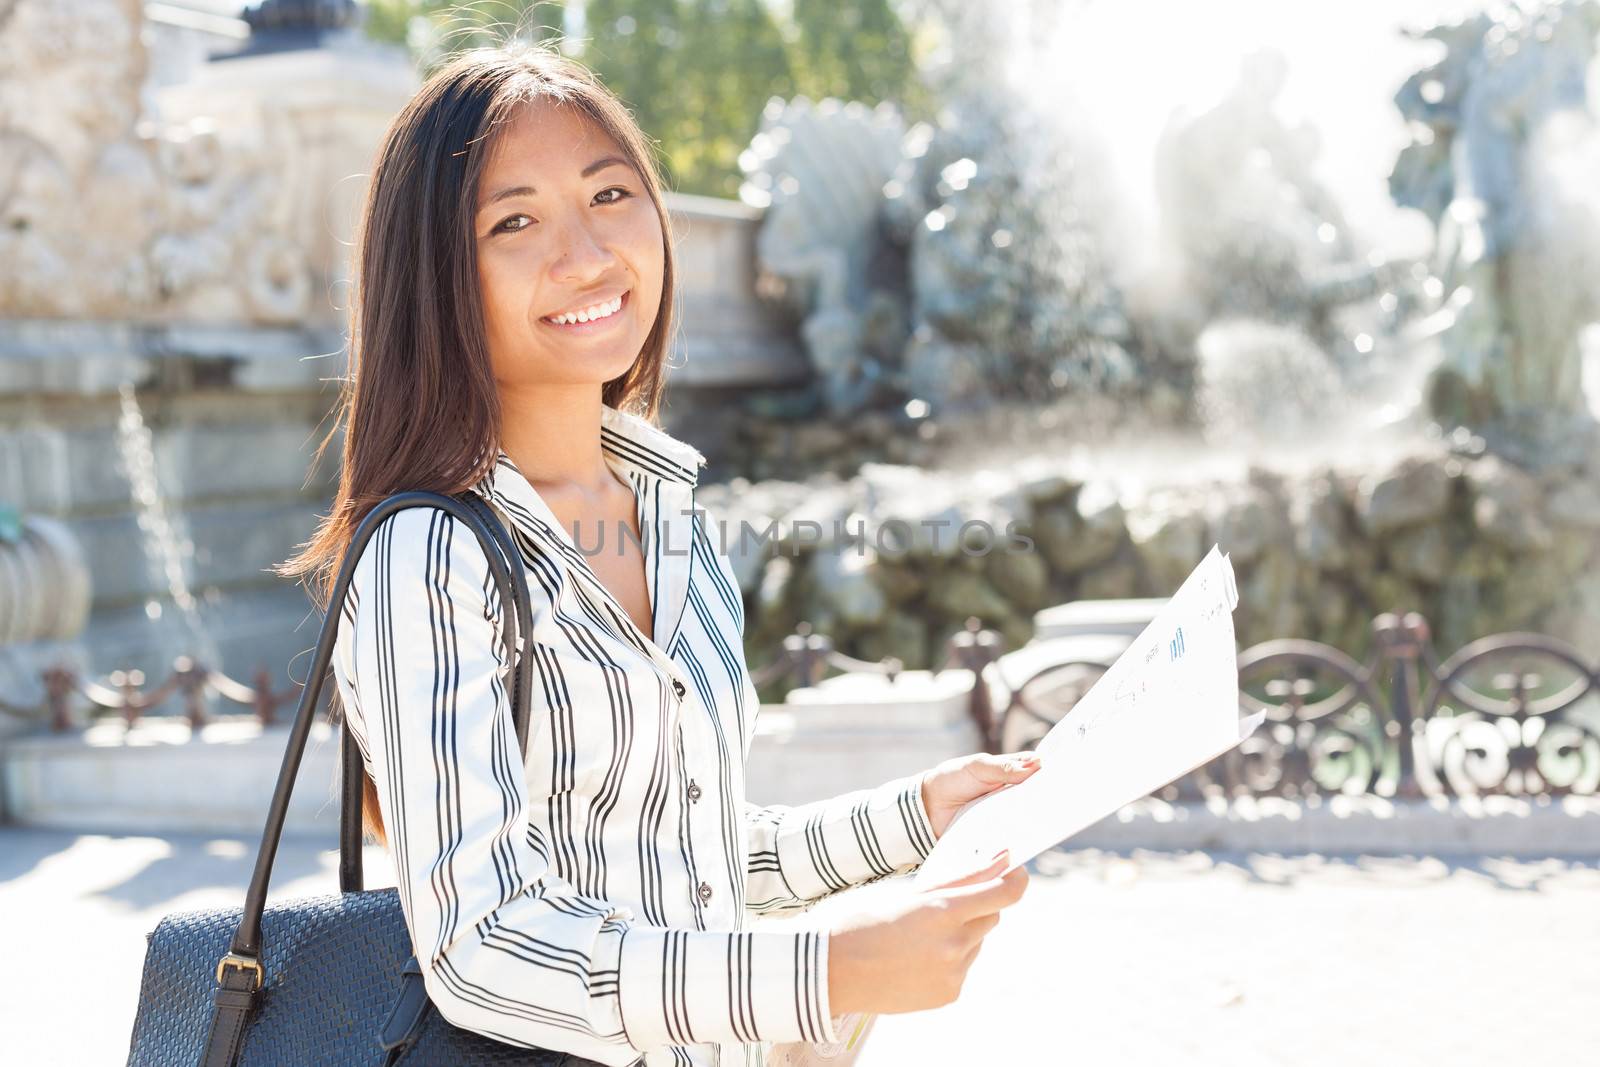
239 972
352 772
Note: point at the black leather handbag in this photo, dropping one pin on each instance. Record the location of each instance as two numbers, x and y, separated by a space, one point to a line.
326 979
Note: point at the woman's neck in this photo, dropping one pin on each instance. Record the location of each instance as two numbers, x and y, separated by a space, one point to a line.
553 436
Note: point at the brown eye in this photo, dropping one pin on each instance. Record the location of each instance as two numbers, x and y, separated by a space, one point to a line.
624 194
501 227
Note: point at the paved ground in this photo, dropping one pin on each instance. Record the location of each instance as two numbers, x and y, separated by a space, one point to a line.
1176 959
1129 959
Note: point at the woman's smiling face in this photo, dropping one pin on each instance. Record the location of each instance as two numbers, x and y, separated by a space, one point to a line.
564 224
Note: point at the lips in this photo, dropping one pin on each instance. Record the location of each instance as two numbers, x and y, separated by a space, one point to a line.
593 325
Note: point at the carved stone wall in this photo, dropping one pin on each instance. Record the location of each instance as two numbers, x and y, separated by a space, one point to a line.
221 198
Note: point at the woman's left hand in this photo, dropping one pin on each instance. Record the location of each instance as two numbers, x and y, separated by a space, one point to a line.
953 784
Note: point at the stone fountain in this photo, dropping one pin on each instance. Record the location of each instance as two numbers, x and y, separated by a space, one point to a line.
178 192
1363 435
899 326
174 250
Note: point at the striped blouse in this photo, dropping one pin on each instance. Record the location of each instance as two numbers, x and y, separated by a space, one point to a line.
597 901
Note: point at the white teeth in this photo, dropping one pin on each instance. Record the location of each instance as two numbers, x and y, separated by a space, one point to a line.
599 311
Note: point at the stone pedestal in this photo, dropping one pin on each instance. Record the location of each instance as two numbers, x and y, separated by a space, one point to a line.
1127 617
855 731
162 777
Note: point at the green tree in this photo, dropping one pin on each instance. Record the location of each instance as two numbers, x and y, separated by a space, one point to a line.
857 51
436 28
696 73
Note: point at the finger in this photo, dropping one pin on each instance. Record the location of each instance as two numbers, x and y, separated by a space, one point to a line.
993 870
979 928
1025 763
1003 769
1017 881
981 898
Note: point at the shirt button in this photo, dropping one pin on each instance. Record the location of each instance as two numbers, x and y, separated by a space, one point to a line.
694 791
677 687
705 892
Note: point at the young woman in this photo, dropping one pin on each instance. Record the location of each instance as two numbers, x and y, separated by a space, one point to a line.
512 312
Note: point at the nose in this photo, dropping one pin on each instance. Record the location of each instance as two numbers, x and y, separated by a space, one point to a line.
581 254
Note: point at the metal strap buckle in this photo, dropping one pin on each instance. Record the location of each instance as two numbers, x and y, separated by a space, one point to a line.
244 963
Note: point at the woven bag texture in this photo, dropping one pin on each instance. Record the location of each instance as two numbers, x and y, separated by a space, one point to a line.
331 976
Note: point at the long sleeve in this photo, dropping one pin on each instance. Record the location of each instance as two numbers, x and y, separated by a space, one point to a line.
508 948
800 854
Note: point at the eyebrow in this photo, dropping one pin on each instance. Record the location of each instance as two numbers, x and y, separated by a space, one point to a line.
528 190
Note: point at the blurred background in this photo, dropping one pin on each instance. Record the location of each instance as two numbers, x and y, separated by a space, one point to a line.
1317 283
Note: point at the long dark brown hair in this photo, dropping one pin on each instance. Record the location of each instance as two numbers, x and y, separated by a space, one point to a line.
419 408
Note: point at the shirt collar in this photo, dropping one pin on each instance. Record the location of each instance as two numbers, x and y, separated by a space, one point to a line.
648 448
634 448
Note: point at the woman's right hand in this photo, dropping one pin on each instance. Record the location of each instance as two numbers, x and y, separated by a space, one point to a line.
909 954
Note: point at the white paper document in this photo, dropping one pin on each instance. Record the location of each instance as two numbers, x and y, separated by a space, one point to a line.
1169 704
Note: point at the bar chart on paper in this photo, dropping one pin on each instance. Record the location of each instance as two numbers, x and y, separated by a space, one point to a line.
1169 704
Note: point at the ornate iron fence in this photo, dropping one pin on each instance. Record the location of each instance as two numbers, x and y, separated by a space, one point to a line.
1514 713
805 656
124 693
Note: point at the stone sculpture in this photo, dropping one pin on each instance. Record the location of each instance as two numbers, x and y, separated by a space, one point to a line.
79 186
1505 159
1255 235
819 170
211 205
955 263
1011 296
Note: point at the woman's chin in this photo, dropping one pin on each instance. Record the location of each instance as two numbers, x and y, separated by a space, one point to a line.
578 368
